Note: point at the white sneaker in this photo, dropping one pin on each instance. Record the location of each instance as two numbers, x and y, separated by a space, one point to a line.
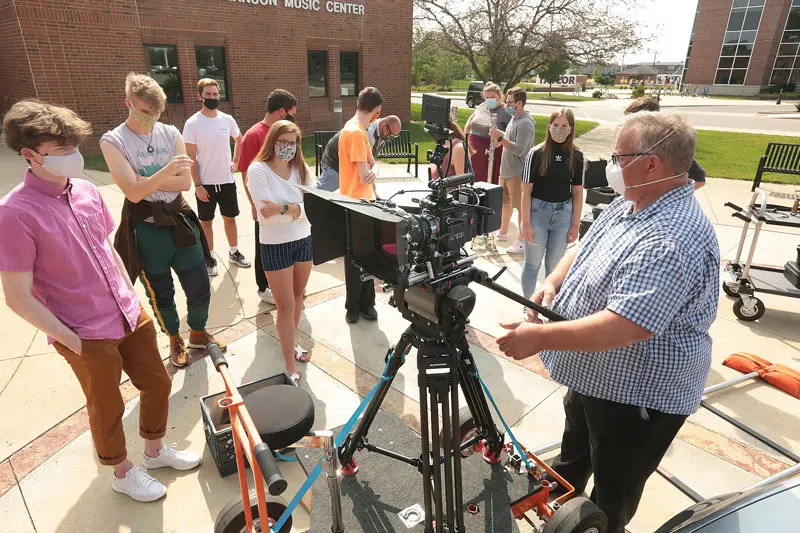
266 296
176 459
516 248
139 485
238 258
501 237
211 268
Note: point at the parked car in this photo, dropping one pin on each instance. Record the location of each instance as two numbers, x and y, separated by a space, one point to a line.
475 94
773 508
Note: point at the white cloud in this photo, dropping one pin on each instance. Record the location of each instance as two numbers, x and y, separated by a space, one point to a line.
670 24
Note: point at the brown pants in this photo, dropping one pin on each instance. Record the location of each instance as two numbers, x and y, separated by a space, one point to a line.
99 368
512 192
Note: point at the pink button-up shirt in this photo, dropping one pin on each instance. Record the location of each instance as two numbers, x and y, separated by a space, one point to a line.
59 233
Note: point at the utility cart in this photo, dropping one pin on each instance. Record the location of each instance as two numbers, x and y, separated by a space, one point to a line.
743 280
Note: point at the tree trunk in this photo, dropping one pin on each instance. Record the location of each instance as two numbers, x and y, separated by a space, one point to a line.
550 92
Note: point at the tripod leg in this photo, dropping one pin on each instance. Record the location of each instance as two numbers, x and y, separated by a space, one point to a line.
455 446
437 466
355 440
476 399
425 457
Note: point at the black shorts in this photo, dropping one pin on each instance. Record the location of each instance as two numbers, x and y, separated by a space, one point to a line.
280 256
224 195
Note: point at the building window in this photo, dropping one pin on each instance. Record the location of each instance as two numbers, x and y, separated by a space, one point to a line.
786 69
317 74
211 64
163 67
348 73
740 37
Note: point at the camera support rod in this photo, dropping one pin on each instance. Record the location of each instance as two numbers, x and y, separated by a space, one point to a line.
482 278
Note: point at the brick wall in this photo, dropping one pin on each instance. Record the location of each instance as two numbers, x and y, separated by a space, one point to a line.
80 52
710 33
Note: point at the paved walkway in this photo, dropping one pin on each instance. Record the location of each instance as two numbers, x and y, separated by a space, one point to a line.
50 481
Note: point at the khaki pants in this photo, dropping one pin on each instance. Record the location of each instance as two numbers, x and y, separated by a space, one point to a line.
99 369
512 192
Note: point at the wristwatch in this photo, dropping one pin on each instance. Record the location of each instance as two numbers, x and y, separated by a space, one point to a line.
285 209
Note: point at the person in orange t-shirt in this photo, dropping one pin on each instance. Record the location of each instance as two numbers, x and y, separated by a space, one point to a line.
357 180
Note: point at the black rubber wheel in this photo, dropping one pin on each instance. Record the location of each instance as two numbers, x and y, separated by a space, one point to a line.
470 103
466 429
733 293
578 515
231 518
746 314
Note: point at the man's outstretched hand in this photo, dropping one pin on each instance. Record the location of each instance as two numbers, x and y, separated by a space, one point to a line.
521 341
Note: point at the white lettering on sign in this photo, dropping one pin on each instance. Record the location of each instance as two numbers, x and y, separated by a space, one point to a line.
344 7
310 5
348 8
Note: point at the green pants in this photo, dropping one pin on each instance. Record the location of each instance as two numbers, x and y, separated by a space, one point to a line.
158 255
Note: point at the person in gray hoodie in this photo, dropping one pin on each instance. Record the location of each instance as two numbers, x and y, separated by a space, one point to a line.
517 141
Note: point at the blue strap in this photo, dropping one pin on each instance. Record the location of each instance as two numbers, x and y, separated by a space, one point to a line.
285 458
503 420
312 477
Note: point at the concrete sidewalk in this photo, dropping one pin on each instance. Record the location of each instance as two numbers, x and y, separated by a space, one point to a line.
50 481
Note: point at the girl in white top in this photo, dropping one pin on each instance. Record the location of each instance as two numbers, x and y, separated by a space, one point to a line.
285 233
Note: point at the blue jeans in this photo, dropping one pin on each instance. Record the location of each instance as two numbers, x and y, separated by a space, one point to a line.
328 179
550 222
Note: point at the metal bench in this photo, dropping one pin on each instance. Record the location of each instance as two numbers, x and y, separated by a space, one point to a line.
321 139
779 158
402 148
399 148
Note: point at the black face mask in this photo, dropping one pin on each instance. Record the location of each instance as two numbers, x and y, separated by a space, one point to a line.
289 117
211 103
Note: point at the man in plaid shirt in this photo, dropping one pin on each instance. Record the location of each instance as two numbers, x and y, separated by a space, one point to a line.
640 295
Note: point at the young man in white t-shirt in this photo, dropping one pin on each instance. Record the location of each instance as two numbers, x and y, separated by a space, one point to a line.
207 136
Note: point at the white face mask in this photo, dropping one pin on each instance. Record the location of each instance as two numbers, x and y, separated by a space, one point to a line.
67 166
616 180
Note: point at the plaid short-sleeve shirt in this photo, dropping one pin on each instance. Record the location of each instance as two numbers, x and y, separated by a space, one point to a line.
659 268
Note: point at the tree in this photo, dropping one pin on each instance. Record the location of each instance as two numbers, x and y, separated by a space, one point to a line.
507 40
552 72
596 74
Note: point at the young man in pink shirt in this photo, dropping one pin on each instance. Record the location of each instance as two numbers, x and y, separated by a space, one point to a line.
61 274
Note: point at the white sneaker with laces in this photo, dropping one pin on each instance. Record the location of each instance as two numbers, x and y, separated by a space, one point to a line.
266 296
139 485
211 268
516 248
501 237
237 258
175 459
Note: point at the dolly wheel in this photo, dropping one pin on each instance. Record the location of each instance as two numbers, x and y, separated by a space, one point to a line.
733 293
751 312
231 518
466 430
578 515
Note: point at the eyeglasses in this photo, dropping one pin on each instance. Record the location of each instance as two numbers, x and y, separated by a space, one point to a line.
615 157
286 144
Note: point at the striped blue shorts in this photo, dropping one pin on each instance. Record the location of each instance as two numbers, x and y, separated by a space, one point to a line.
280 256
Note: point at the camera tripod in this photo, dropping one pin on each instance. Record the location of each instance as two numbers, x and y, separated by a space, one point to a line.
439 314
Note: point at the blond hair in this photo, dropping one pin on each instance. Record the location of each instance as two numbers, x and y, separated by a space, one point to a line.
146 89
206 82
29 123
267 151
492 88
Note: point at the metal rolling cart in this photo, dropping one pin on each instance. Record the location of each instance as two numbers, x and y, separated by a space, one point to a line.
745 279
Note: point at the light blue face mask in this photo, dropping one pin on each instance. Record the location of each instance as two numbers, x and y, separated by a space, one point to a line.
491 103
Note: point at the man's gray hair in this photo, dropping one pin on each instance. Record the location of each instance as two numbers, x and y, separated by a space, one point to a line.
669 136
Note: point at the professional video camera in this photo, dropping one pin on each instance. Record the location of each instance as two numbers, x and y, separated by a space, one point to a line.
405 245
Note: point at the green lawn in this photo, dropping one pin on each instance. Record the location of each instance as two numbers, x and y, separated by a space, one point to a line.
733 155
95 162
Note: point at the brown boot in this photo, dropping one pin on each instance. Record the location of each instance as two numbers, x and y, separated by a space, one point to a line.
177 352
199 340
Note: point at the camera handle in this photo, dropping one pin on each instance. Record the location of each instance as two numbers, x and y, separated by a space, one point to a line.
482 278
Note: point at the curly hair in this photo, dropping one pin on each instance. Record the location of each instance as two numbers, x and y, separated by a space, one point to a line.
29 123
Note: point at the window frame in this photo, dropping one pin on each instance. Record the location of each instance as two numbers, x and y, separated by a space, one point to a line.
725 47
357 83
326 78
225 80
792 71
146 49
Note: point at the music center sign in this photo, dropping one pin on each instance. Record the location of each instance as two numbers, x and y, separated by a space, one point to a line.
331 6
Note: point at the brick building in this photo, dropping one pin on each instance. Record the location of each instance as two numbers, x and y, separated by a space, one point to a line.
740 46
77 54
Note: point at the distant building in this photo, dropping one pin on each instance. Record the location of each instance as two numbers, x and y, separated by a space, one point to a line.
639 75
744 45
